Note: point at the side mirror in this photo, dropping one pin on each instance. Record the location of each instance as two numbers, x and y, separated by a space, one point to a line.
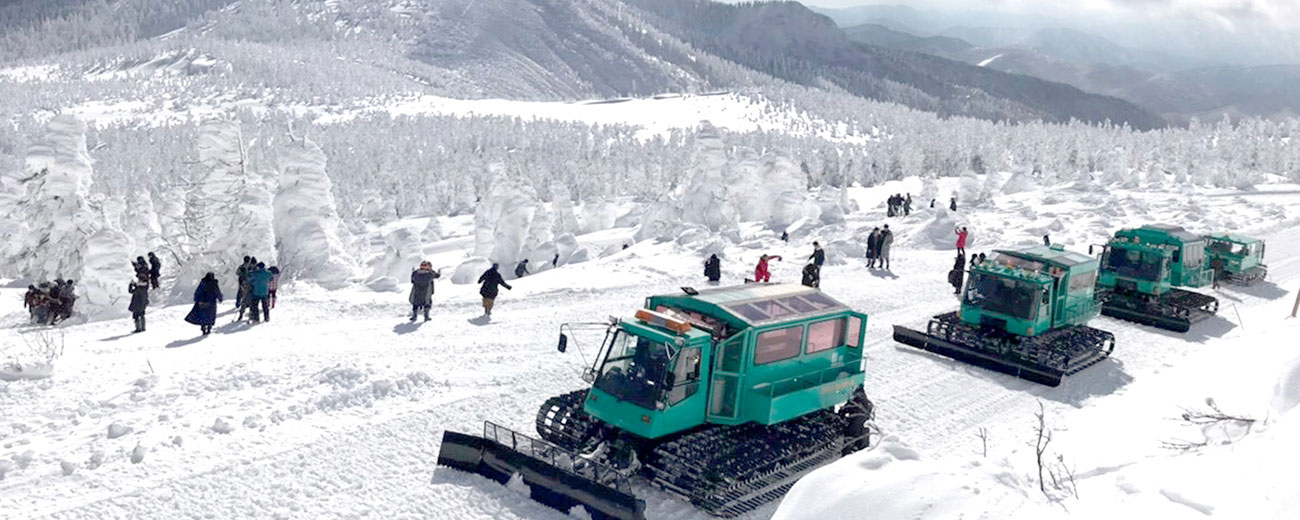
564 343
670 379
1090 251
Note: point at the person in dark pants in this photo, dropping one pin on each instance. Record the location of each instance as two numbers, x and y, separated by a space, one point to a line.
818 256
958 273
275 283
713 269
907 205
1047 241
521 270
259 292
953 205
139 300
422 289
241 280
492 281
962 234
206 297
873 248
155 270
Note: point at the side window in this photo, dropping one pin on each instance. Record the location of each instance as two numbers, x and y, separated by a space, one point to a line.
854 338
1083 281
686 373
825 335
779 344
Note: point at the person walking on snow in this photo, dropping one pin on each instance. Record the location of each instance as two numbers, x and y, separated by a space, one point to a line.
139 290
155 270
953 205
259 292
907 205
67 298
1047 241
961 240
422 289
819 255
492 281
761 272
206 297
886 241
521 270
713 269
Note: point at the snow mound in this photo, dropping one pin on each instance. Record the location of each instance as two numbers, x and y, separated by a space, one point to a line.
939 233
403 253
1287 394
892 481
468 271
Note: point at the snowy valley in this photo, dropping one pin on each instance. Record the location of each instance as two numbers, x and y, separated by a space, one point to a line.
614 149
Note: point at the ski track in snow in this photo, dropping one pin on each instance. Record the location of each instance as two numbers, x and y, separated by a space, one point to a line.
336 407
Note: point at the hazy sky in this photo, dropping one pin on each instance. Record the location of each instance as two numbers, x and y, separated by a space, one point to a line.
1284 13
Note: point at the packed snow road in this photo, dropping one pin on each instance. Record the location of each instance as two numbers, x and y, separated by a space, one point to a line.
335 408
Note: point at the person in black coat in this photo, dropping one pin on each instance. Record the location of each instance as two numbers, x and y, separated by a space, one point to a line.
155 270
492 281
812 276
713 269
953 204
873 247
206 297
521 270
958 274
1047 241
139 300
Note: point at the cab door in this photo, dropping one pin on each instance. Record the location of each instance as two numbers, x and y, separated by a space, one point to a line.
725 383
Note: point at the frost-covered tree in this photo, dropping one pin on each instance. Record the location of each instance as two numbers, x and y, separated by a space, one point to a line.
705 202
433 230
566 222
55 207
310 235
785 191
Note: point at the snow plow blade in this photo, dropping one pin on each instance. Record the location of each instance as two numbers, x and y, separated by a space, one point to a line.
923 341
556 477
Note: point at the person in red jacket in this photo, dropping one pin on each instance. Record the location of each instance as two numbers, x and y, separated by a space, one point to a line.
961 240
761 274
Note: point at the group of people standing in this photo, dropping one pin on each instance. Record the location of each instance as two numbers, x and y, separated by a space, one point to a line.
899 206
50 302
763 273
257 287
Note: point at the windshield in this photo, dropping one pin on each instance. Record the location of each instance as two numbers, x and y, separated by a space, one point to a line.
1135 264
1003 295
634 370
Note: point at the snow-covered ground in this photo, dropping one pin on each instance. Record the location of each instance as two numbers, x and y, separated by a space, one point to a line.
335 407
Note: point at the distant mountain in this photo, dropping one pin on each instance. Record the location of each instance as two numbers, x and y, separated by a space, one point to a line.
788 41
1176 88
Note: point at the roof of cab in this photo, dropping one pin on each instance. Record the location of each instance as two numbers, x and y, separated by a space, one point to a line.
1174 231
761 303
1051 255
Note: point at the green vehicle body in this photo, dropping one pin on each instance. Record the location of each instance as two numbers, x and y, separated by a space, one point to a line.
1143 271
1236 257
724 370
1042 289
1155 259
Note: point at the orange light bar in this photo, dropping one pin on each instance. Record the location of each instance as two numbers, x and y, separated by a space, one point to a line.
662 320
